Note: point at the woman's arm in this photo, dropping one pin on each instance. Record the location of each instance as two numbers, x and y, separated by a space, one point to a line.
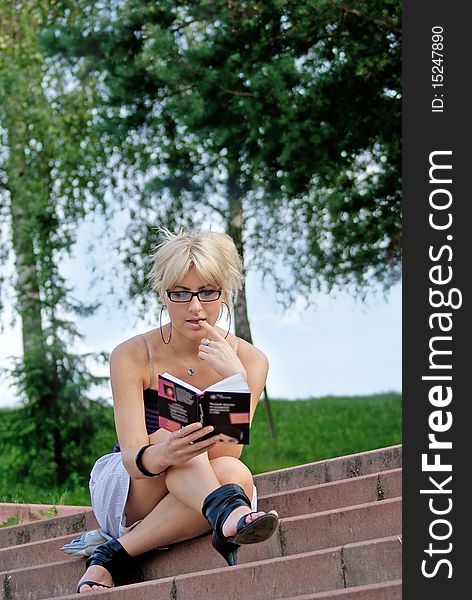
127 378
129 375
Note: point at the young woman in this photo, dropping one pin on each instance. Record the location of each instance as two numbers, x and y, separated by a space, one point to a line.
158 488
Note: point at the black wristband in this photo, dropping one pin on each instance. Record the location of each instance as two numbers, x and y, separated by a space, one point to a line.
140 466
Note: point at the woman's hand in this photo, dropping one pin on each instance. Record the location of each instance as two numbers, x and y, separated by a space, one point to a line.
219 353
180 446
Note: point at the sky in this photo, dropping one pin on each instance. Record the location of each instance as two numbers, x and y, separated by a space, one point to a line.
336 346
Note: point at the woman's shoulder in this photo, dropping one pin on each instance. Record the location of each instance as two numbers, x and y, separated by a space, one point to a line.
133 349
251 354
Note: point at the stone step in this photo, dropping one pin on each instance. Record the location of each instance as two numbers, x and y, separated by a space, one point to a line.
27 513
49 528
336 494
332 469
319 498
292 478
357 564
295 535
299 534
390 590
33 554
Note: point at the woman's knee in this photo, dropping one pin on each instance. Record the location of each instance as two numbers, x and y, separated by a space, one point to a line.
196 461
229 469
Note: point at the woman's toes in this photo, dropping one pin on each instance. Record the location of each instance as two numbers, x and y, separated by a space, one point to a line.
86 588
253 516
229 527
98 574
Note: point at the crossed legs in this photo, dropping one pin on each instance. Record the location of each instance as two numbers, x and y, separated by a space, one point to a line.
170 508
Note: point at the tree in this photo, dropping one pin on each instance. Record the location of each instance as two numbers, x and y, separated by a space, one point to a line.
47 174
283 118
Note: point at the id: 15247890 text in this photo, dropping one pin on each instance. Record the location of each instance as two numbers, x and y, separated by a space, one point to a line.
437 68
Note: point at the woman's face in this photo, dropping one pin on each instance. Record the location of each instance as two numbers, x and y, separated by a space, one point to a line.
186 316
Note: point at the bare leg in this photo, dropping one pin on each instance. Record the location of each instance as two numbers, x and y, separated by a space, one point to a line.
183 483
168 523
173 520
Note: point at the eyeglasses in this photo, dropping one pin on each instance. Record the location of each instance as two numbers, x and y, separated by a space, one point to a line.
185 296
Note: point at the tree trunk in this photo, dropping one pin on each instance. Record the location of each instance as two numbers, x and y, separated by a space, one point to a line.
36 139
40 375
235 230
28 297
26 185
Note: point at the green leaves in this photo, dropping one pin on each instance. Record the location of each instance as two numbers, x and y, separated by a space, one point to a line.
301 100
50 167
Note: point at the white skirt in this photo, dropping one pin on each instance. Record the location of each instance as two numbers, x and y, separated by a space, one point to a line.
109 486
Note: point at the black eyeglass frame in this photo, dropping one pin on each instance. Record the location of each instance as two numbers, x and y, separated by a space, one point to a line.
197 294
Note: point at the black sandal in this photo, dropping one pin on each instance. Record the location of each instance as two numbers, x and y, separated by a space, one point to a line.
217 507
112 557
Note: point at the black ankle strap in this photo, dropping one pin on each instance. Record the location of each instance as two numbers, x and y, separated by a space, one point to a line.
112 556
221 502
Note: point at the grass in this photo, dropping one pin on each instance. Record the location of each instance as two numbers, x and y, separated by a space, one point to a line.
311 430
306 431
35 493
10 521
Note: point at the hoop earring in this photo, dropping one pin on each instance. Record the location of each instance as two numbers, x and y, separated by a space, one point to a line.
229 315
160 327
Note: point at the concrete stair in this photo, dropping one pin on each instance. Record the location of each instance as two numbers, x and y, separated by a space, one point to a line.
27 513
339 537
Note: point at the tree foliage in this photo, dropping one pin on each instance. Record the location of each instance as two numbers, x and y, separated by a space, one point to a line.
283 118
48 174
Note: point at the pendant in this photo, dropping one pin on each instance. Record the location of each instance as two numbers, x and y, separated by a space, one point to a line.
191 371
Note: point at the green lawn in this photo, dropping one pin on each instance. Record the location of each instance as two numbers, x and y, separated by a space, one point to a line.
310 430
306 431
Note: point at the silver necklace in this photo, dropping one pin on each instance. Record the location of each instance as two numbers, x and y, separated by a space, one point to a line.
190 370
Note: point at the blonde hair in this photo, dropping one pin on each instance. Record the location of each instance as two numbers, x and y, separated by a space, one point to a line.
213 255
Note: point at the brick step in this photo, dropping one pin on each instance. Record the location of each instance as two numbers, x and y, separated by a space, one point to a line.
27 513
391 590
334 469
336 494
16 535
304 533
319 498
358 564
295 535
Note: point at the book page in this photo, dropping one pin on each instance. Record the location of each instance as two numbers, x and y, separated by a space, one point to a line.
182 383
177 403
234 383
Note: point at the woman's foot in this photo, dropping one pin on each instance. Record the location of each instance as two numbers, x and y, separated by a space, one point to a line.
98 574
229 526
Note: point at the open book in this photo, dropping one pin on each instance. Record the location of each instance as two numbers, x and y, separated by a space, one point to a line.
225 405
